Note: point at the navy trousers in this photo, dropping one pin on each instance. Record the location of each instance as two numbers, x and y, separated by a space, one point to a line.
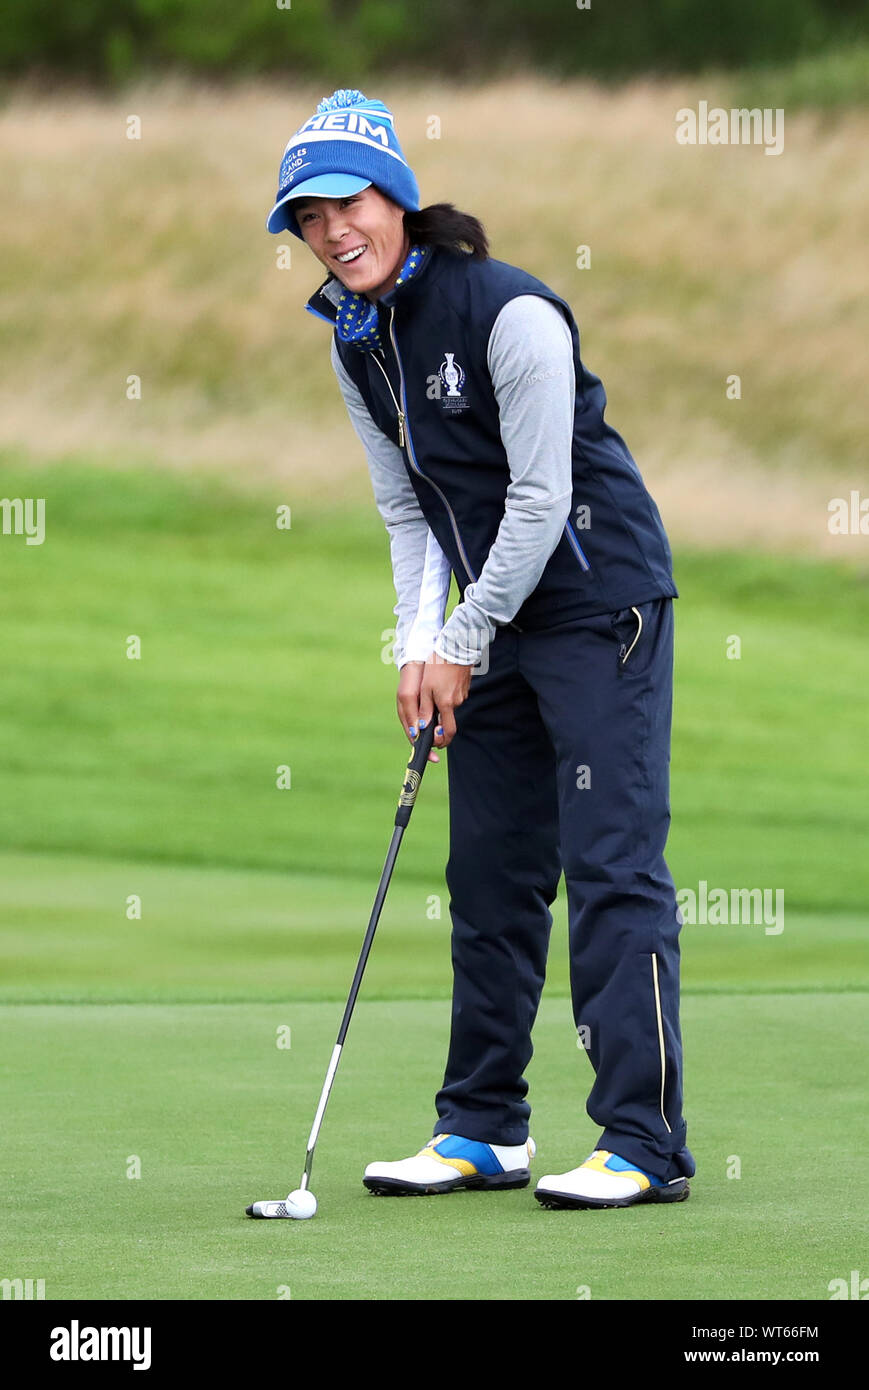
561 763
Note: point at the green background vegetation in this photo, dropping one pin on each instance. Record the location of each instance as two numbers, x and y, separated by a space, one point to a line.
118 39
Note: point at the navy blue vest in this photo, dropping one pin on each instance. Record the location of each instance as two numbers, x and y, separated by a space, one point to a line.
430 392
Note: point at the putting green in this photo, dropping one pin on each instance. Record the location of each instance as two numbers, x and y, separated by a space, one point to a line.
167 909
217 1116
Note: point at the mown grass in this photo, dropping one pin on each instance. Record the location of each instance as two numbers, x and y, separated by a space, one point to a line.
263 648
145 1040
216 1116
205 935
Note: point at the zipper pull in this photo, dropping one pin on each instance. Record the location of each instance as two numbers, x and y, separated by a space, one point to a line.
401 429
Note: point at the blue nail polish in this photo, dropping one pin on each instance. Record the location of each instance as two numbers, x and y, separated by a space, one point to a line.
438 730
412 731
422 723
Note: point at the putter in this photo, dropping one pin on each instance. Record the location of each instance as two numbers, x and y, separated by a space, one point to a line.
302 1204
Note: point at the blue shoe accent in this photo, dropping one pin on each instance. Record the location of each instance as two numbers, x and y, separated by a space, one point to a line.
454 1146
619 1165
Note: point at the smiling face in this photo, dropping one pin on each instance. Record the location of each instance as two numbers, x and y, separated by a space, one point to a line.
336 227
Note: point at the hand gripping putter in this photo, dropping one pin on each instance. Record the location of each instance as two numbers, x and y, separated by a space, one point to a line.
302 1204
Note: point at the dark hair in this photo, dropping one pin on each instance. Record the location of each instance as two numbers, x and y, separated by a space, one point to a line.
442 224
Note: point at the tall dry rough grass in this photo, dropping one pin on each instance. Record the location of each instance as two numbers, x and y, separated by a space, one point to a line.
150 257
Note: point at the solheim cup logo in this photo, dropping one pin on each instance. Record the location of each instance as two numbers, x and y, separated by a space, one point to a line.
410 787
452 375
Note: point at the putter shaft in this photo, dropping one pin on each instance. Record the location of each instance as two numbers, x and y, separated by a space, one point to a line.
412 778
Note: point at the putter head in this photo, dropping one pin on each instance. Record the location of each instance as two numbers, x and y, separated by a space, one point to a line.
269 1211
299 1206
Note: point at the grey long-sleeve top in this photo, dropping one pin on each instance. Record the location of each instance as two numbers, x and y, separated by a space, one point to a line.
530 362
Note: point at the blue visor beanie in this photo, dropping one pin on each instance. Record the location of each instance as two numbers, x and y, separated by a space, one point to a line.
348 134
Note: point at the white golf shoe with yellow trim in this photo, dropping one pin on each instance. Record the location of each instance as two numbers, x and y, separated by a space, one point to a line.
607 1180
448 1162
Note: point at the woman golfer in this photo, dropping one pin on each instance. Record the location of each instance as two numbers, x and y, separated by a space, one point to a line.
551 679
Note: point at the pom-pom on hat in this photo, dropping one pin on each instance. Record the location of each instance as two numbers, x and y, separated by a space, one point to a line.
348 143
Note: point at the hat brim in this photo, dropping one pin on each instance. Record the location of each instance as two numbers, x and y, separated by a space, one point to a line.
321 186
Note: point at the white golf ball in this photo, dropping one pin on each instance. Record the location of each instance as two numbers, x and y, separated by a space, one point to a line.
301 1204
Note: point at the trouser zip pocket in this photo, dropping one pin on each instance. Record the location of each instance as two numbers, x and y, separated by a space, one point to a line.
632 637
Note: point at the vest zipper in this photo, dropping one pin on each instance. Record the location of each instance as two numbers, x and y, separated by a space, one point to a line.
394 401
404 437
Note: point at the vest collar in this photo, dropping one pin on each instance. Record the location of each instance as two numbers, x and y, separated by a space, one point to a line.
324 301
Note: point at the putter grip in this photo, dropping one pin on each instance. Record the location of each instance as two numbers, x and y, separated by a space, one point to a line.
415 768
